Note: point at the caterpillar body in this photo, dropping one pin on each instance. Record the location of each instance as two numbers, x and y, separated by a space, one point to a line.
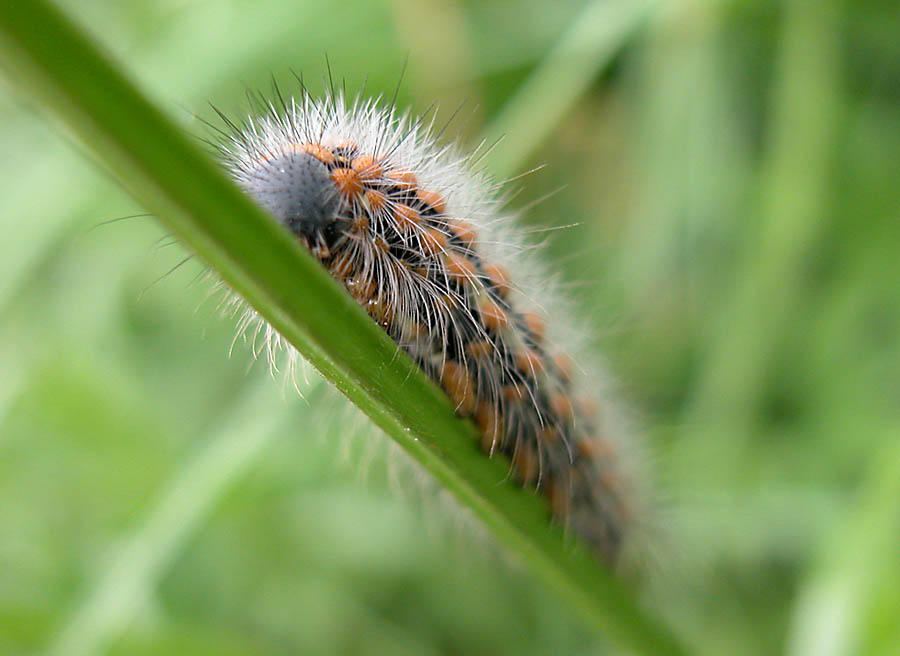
418 238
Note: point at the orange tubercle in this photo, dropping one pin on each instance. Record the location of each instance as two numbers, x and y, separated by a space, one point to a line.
525 461
375 201
535 325
321 153
493 316
348 183
498 277
490 423
464 231
403 179
367 167
434 242
529 362
433 199
459 386
562 407
480 350
460 267
407 218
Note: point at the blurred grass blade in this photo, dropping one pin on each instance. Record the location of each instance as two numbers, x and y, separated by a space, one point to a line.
795 175
145 555
191 196
593 38
861 549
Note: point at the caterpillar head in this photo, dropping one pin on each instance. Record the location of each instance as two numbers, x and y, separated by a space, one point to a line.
295 187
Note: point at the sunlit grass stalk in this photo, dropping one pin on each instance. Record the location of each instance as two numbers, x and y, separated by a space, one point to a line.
161 167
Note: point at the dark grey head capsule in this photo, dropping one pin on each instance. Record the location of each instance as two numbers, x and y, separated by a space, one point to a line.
297 189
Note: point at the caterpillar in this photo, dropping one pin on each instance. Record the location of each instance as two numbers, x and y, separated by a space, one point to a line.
422 241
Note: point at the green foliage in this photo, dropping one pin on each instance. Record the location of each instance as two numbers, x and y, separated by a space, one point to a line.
731 169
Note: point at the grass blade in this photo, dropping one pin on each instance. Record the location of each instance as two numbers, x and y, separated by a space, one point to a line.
179 510
164 170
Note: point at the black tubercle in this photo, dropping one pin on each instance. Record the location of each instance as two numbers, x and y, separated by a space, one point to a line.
297 189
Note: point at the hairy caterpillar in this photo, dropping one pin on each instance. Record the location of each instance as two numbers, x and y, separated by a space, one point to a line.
420 240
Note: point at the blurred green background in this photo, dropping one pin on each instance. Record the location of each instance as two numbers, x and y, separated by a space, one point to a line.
732 171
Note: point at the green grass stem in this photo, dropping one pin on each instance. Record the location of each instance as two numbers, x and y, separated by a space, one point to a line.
51 59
